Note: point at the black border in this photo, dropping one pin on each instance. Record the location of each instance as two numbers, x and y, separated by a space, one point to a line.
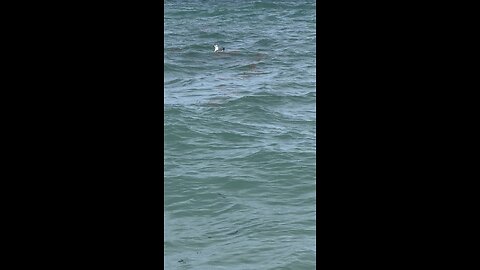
94 138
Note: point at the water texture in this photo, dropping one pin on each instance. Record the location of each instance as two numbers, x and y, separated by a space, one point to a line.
239 143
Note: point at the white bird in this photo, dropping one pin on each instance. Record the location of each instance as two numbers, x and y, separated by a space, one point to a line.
217 49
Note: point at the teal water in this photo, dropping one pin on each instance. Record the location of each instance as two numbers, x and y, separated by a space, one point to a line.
240 135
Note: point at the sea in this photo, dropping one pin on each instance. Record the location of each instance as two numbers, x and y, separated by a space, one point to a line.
239 134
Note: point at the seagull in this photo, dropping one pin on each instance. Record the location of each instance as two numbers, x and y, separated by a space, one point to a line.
217 49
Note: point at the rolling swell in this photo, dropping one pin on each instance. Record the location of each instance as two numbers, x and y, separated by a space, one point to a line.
239 135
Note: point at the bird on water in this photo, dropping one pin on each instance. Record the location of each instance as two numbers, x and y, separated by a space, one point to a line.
217 49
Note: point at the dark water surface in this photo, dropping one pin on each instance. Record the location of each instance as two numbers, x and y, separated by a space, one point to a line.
240 135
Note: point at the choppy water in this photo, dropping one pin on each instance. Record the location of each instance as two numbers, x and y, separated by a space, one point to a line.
239 145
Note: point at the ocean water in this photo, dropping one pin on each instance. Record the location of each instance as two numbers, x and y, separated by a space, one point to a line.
240 135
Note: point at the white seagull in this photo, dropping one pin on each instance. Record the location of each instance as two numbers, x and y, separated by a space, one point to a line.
217 49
